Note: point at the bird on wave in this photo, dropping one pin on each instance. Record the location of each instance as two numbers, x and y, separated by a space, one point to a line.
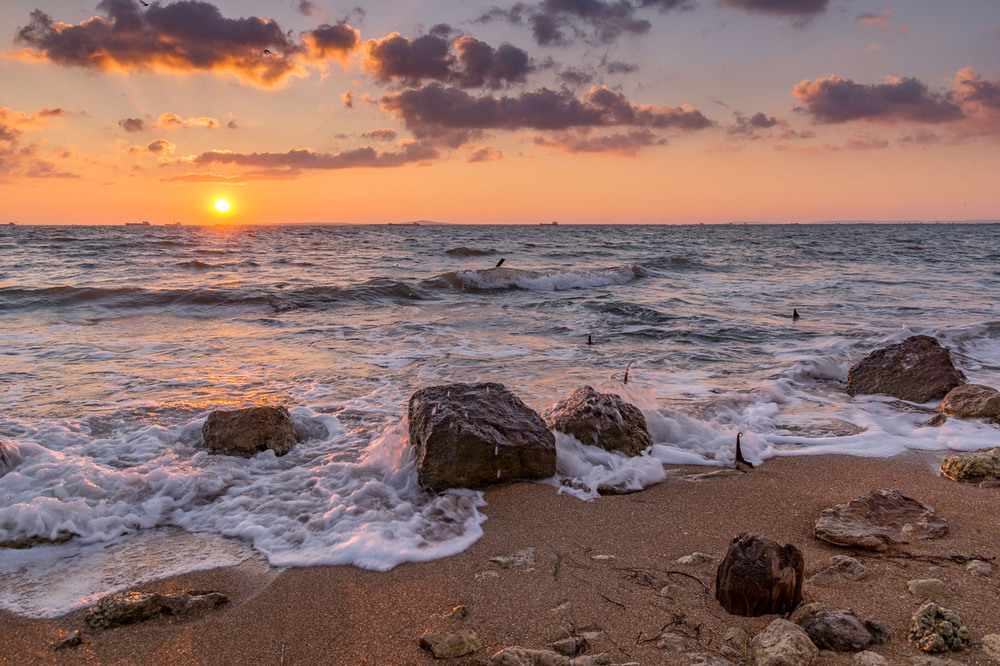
740 460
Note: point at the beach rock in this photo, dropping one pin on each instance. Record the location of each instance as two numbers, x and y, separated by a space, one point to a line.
805 612
935 421
519 656
10 457
783 643
670 642
881 519
843 631
32 541
929 588
522 558
972 465
972 401
457 613
758 577
694 558
74 639
991 646
449 644
699 659
124 608
843 569
600 419
936 629
924 660
250 430
474 435
979 568
917 369
572 646
990 483
868 658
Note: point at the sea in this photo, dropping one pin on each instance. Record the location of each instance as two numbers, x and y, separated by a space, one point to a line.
116 342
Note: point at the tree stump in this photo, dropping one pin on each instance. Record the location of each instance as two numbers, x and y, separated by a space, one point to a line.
758 577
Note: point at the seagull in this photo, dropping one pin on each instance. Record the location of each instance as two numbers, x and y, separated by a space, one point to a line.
499 263
795 313
740 460
266 51
589 341
143 3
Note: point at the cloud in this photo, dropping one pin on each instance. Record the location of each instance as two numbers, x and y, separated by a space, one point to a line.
835 99
475 64
161 147
333 41
184 36
559 22
380 134
20 159
624 143
751 126
980 101
875 20
170 121
780 7
436 111
241 179
485 154
302 159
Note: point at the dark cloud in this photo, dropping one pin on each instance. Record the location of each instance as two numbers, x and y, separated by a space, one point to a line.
168 121
875 20
380 134
575 77
161 147
184 36
333 41
618 67
624 143
751 126
435 111
475 64
231 124
836 100
785 7
132 124
302 159
973 89
307 8
559 22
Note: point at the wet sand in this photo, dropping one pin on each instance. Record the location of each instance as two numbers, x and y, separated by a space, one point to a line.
599 567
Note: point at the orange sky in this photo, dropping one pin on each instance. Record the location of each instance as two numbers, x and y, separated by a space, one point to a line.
582 111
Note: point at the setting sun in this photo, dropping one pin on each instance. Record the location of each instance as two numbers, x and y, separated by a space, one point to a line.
222 206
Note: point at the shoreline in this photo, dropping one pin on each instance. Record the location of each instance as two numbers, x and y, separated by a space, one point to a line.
598 567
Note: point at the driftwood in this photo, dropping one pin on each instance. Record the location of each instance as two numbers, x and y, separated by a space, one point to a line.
758 577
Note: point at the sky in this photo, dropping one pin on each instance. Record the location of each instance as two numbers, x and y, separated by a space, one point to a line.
580 111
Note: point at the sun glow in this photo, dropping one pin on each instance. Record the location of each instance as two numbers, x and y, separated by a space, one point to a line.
222 206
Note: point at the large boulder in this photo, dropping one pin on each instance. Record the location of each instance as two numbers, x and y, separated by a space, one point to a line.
972 465
843 631
600 419
783 643
936 629
878 520
474 435
758 577
247 431
972 401
917 369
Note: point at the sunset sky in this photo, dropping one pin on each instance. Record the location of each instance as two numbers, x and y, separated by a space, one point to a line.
581 111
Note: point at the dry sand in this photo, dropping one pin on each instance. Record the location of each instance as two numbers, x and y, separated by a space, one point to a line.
598 566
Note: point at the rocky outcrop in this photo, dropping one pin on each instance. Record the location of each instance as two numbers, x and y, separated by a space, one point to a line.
250 430
843 631
600 419
972 401
843 569
474 435
124 608
758 577
972 465
917 369
783 644
936 629
881 519
450 644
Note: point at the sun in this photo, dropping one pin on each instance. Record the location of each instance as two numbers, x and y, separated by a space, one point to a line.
222 206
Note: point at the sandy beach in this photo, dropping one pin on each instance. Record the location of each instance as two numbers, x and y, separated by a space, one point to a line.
606 568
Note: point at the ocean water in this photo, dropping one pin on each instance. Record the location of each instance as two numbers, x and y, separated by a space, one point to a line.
116 343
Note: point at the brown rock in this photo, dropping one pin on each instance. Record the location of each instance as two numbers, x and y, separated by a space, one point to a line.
449 644
474 435
758 577
972 465
248 431
881 519
600 419
917 369
843 631
116 610
783 644
10 457
972 401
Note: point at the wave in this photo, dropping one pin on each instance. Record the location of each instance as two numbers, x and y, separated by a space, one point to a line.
199 265
468 252
491 279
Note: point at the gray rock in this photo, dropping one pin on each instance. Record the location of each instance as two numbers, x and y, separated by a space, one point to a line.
843 569
979 568
972 465
917 369
522 558
474 435
600 419
124 608
74 639
936 629
929 588
783 643
881 519
519 656
758 577
699 659
449 644
868 658
694 558
248 431
572 646
805 612
671 642
843 631
972 401
991 646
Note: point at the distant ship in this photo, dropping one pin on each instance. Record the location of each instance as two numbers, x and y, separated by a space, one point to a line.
551 224
12 224
144 223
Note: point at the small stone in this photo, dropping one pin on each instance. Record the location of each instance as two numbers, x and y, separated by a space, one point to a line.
247 431
458 613
869 658
522 558
671 643
124 608
602 558
519 656
699 659
694 558
989 483
935 629
933 661
486 575
572 646
736 636
991 646
929 588
449 644
979 568
783 643
73 640
843 569
670 591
